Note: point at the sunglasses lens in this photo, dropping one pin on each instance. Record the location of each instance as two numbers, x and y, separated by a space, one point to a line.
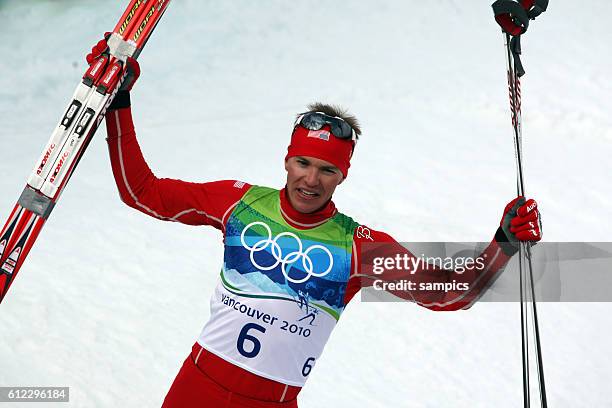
316 121
345 131
336 130
313 121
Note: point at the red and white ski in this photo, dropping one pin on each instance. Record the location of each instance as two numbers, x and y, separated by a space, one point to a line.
73 133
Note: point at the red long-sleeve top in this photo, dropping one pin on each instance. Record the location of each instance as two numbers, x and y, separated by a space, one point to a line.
211 203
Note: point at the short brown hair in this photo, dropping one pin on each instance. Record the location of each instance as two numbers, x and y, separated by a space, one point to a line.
336 110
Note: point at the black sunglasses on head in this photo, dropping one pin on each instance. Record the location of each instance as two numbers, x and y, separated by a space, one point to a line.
316 121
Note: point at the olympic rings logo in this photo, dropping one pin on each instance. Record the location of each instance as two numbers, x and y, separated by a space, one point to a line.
288 259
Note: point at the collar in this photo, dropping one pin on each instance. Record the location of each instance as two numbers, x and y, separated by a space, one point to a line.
305 221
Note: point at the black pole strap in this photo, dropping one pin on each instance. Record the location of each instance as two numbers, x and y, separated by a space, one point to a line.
515 49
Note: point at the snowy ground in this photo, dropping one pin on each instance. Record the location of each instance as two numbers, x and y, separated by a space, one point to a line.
110 301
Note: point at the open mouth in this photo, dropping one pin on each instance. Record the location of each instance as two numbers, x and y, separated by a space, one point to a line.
307 194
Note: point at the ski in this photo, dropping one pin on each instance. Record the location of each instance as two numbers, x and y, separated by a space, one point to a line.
72 135
81 95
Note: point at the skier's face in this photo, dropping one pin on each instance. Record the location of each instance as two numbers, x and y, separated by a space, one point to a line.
311 182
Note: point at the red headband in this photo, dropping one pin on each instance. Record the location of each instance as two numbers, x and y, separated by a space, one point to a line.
321 144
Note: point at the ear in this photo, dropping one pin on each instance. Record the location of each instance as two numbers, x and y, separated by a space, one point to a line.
342 181
287 165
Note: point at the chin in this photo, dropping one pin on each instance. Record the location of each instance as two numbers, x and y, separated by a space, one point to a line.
310 209
307 208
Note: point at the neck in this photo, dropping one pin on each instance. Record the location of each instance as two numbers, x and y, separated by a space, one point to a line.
301 220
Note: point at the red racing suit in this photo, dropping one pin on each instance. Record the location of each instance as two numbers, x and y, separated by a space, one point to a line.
206 379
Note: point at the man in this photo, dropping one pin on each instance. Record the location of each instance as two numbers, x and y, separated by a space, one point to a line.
291 262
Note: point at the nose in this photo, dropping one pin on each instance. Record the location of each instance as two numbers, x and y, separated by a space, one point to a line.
312 177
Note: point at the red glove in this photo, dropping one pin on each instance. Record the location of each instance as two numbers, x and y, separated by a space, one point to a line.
97 50
132 66
520 222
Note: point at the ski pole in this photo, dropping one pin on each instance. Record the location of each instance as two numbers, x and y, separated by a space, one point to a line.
514 19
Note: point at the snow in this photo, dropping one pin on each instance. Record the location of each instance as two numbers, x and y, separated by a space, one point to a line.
109 301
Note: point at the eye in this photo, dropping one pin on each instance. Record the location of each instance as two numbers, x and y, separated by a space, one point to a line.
329 171
302 162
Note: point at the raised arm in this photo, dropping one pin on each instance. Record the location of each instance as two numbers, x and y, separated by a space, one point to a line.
165 199
162 198
380 261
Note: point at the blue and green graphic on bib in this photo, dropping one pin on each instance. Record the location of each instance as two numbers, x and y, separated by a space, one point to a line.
267 258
